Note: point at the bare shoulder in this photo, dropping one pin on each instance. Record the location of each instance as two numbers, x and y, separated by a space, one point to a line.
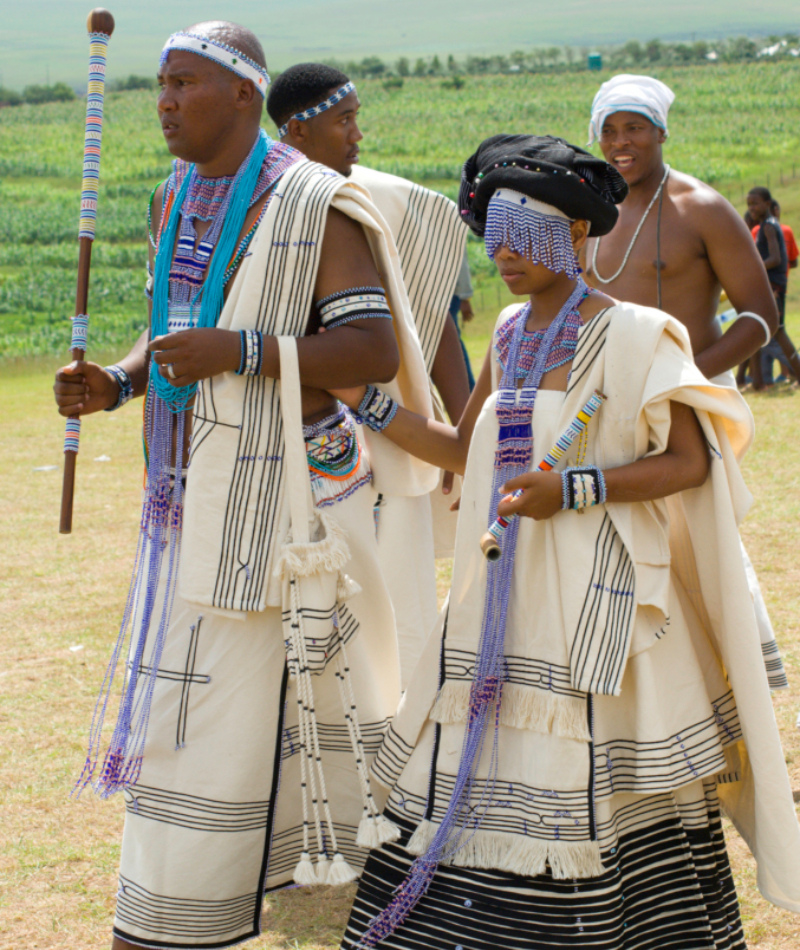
341 228
701 206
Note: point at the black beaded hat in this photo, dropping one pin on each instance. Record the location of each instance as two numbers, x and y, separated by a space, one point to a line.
546 168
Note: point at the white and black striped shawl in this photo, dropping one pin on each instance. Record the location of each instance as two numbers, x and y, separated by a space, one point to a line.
430 236
235 513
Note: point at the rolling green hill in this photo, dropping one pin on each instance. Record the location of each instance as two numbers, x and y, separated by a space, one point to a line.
44 41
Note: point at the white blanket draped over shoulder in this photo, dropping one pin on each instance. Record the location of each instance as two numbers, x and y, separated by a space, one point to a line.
641 359
236 510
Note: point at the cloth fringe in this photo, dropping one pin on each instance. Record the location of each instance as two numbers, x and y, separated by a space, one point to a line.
373 831
522 707
525 856
340 872
329 554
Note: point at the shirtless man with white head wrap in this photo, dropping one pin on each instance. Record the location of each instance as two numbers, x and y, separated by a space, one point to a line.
677 242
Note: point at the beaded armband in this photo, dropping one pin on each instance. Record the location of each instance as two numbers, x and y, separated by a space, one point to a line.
252 353
124 383
582 487
376 409
357 303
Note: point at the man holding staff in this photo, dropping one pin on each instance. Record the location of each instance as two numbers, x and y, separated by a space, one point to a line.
676 245
224 740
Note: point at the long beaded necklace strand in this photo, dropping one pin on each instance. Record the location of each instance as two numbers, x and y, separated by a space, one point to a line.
653 200
160 528
513 457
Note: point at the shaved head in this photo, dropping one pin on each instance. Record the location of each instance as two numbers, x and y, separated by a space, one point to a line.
233 34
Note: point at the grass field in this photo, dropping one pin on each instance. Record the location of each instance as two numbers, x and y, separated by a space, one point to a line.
62 597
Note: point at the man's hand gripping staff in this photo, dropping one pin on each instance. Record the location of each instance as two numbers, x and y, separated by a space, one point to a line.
491 541
100 25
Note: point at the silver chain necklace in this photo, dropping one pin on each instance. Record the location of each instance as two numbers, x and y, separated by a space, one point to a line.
653 200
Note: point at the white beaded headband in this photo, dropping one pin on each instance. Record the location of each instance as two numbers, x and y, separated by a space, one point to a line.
220 53
527 203
318 109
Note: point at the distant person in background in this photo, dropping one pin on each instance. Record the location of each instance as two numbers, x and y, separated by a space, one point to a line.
771 246
773 350
462 302
316 110
676 245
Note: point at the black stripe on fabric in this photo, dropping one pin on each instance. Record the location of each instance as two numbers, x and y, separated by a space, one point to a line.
665 888
193 812
609 599
241 574
273 797
591 341
336 738
176 917
430 288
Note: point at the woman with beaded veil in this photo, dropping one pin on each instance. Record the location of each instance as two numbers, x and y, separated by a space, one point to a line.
588 705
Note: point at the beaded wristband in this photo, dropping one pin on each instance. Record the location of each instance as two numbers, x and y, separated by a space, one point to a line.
124 383
376 409
582 487
252 353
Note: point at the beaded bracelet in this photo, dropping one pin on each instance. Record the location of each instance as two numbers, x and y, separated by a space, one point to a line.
124 383
252 353
582 487
376 409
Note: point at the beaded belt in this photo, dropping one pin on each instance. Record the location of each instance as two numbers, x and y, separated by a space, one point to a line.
336 463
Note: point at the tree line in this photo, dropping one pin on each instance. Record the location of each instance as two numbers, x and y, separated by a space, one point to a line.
631 55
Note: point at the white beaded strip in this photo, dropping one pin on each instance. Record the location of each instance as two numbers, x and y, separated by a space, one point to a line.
220 53
761 320
80 332
318 109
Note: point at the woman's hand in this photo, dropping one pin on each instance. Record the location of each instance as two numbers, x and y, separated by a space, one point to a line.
541 497
191 355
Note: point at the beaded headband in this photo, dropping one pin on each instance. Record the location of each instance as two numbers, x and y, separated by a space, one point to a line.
220 53
538 231
318 109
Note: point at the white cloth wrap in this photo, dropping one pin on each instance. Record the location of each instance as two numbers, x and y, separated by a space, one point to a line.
628 93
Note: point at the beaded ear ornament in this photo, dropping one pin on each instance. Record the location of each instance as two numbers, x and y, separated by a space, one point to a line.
532 228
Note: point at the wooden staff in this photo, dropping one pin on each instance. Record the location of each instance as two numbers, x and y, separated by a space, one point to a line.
100 25
490 542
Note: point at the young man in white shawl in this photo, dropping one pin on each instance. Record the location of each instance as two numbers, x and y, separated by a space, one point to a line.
594 697
677 243
315 108
258 641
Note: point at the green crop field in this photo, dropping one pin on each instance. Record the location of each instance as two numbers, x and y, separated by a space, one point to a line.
296 30
731 125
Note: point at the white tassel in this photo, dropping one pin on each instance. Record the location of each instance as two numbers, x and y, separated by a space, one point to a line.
367 836
346 587
330 554
323 869
388 831
340 872
304 872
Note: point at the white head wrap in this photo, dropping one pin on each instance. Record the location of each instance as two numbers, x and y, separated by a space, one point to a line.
627 93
